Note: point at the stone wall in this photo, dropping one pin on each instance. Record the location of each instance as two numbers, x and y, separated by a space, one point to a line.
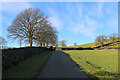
11 57
80 48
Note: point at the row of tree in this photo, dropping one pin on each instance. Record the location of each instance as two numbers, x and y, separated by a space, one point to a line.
100 40
3 42
32 25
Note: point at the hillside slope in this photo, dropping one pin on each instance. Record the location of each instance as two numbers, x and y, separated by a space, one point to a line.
107 44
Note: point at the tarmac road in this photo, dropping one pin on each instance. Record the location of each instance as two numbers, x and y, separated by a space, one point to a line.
60 65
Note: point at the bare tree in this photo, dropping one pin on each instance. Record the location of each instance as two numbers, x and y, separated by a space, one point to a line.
26 24
100 39
112 36
3 42
46 35
75 44
63 43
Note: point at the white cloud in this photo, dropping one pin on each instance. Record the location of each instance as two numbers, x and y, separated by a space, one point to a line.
109 10
100 7
55 20
70 9
14 0
90 21
96 9
81 28
87 27
77 28
88 31
15 7
0 6
80 9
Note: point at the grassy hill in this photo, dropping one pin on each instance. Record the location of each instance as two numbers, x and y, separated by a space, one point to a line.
112 45
93 44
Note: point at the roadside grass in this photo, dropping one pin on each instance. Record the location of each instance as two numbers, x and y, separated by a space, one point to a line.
98 63
28 68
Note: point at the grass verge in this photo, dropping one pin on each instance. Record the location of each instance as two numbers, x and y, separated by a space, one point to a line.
97 63
28 68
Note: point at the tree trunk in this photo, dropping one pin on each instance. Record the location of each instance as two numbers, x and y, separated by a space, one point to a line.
101 44
113 39
41 44
47 44
30 42
37 45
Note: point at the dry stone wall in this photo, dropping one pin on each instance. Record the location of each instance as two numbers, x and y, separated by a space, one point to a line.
11 57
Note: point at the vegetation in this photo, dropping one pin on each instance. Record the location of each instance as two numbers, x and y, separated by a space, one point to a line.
112 36
3 42
87 45
75 44
93 44
32 25
100 40
28 68
63 43
97 63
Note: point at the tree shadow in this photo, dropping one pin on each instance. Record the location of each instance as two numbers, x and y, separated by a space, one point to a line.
106 73
103 73
93 65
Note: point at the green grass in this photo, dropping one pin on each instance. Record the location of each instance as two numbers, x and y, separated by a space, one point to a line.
28 68
87 45
93 43
97 63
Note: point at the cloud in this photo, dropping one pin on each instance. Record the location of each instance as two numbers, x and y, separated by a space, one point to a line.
70 8
14 0
55 20
88 31
80 11
15 7
100 7
95 9
90 21
81 28
0 6
87 27
77 28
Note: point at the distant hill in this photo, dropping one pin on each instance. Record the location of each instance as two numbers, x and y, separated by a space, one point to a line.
108 44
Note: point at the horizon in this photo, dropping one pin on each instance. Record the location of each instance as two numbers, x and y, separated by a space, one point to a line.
89 19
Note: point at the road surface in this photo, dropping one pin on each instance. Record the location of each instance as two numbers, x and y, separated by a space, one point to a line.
60 65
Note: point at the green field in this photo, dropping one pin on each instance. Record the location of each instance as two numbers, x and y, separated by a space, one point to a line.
28 68
87 45
93 44
96 63
106 42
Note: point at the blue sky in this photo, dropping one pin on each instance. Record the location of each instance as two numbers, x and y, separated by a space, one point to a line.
79 22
